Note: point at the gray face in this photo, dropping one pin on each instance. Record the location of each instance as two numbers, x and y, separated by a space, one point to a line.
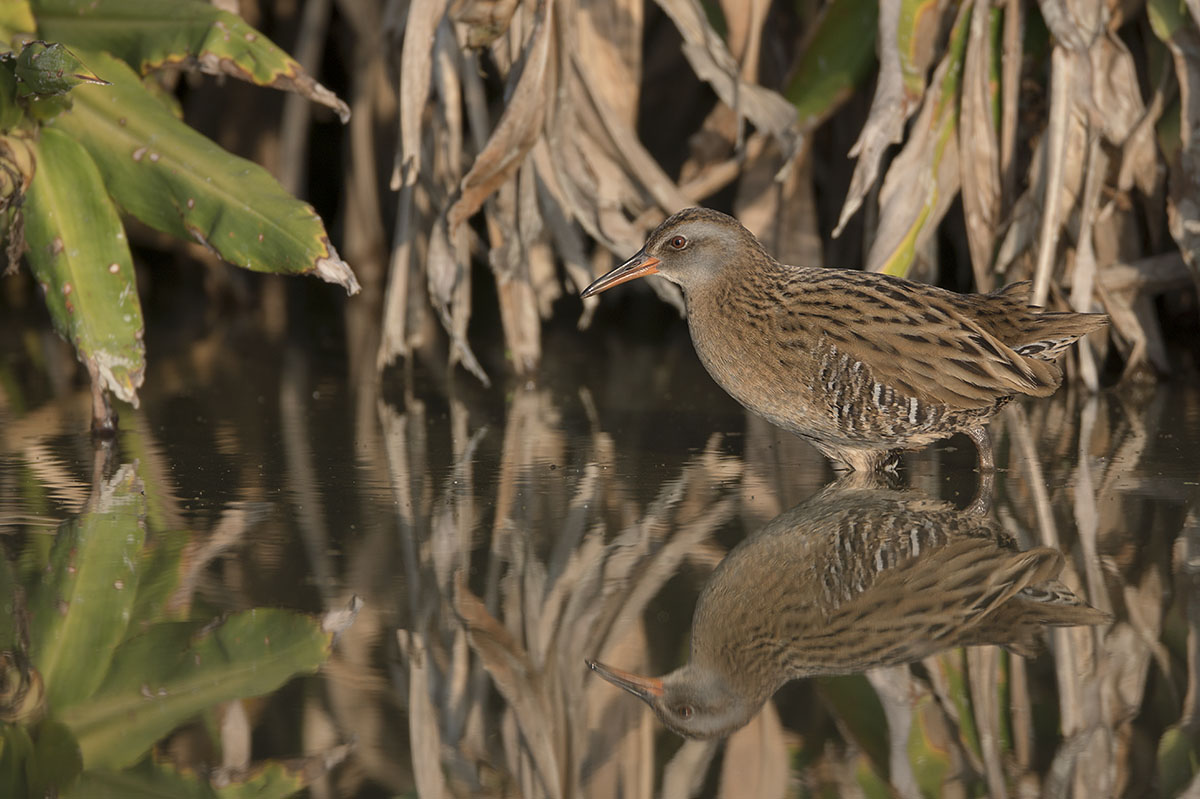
693 246
690 248
697 703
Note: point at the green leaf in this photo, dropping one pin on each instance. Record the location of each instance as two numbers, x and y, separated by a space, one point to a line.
15 748
860 714
16 16
49 69
1178 760
952 664
178 181
173 671
79 255
55 763
835 61
161 780
1166 17
11 112
149 34
147 780
79 612
8 608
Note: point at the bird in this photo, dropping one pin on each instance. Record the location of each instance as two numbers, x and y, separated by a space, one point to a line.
849 580
862 365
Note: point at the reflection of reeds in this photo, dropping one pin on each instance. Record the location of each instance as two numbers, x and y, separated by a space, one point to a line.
571 567
550 594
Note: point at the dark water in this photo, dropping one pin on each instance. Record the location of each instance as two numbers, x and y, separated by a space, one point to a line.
164 593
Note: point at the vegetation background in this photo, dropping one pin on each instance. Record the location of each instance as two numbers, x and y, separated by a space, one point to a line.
499 154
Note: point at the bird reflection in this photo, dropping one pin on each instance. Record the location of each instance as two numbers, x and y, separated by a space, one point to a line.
854 578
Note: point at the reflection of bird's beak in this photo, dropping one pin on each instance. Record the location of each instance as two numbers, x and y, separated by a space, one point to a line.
645 688
639 265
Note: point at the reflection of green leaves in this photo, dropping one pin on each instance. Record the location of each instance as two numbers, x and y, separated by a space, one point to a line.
151 780
80 610
171 672
123 667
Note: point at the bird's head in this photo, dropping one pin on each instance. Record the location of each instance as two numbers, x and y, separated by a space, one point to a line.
692 701
690 248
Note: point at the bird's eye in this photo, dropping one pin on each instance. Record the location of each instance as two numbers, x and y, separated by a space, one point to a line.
685 711
678 242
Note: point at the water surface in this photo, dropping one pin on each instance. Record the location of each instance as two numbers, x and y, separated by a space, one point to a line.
499 538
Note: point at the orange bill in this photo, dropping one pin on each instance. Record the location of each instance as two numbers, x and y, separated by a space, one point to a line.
643 687
639 265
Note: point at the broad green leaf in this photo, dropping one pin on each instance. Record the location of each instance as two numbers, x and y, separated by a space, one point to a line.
15 748
154 33
11 113
8 607
16 16
79 612
162 565
54 763
175 670
835 61
857 708
953 666
1166 17
50 69
869 780
79 255
180 182
147 780
154 780
928 748
1178 760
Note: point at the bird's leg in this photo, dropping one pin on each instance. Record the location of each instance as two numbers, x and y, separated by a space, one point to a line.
981 505
983 443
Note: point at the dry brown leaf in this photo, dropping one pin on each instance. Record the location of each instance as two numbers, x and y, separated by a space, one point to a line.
984 679
517 681
922 181
683 776
783 214
481 22
756 759
1116 96
710 59
1010 89
979 149
423 729
519 126
890 109
608 44
1183 205
1074 23
416 72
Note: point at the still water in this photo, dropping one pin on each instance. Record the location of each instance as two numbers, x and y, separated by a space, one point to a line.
276 581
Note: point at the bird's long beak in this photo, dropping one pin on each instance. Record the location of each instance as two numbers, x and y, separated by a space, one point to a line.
644 688
639 265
